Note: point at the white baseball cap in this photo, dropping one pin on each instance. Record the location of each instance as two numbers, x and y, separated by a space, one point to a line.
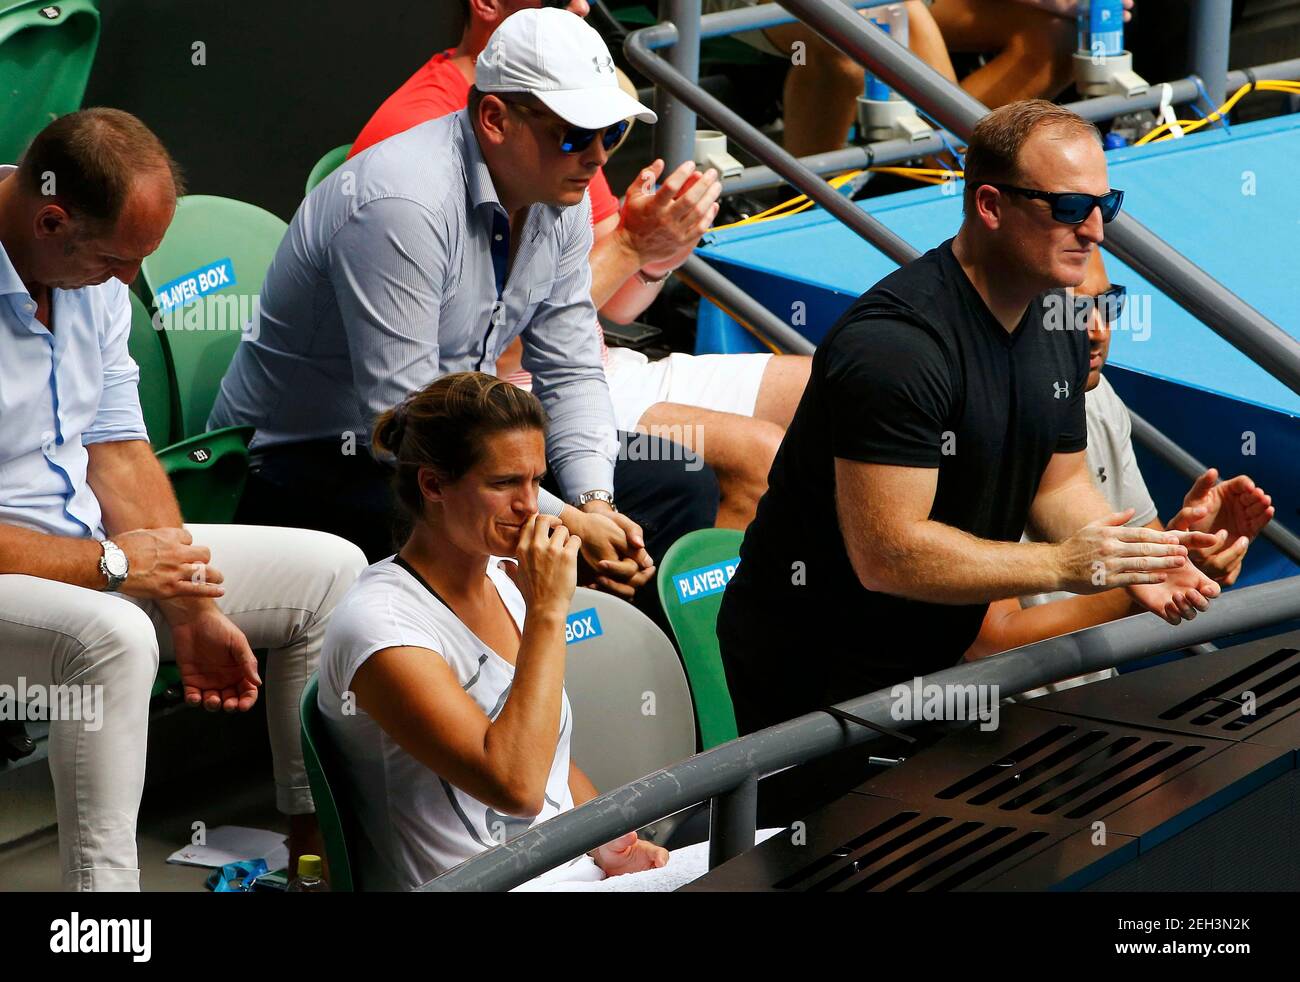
558 57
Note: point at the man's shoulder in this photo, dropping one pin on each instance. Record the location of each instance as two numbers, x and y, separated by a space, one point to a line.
908 295
423 164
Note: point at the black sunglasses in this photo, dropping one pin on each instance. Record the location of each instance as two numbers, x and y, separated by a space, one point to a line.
1072 207
577 139
1109 302
556 3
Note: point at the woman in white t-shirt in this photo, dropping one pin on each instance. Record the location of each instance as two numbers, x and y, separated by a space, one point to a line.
442 674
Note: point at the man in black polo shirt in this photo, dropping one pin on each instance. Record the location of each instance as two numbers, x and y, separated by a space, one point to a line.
944 415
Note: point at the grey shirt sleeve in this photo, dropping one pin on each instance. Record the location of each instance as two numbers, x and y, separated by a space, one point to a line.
561 348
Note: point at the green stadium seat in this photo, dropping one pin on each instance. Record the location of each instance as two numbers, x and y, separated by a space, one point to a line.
208 472
337 824
46 50
326 166
205 279
694 619
156 393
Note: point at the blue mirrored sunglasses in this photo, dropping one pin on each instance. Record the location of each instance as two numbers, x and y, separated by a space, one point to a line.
577 139
1072 207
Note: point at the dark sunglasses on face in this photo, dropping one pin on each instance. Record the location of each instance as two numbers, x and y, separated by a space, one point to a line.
576 139
1110 303
556 3
1072 207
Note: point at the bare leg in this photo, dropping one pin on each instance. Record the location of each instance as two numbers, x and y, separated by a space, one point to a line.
1034 48
820 95
784 379
739 449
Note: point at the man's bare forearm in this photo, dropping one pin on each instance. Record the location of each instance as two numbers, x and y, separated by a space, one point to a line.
613 261
132 489
51 557
134 492
937 563
1057 515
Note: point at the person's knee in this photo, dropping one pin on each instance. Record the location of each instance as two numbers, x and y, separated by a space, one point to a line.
119 638
750 457
820 61
344 558
694 485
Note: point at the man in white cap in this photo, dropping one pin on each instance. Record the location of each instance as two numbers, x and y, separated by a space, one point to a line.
430 254
742 401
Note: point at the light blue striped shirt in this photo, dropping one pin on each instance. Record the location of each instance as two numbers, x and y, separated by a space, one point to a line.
385 281
60 392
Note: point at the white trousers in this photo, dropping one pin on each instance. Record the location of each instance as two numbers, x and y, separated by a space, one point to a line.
281 585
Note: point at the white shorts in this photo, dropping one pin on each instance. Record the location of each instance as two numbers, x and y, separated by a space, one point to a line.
722 383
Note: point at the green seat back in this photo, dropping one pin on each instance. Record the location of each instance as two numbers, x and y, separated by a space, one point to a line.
205 280
208 472
46 50
691 600
156 392
326 166
323 776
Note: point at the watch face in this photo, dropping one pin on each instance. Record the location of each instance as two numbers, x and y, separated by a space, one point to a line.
115 562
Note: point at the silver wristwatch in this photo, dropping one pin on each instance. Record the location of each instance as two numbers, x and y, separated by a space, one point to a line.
589 496
113 565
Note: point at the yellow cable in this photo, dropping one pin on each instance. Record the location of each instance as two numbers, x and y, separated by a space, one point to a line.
926 175
1164 130
784 208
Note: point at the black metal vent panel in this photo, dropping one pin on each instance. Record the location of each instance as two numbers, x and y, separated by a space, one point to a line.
1045 767
1205 695
865 844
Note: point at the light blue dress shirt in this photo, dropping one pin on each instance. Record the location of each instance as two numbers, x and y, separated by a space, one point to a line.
61 392
392 274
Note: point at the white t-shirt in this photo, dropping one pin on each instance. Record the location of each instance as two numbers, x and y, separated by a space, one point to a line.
417 825
1115 471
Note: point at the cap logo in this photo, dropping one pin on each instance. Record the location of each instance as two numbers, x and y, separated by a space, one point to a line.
605 64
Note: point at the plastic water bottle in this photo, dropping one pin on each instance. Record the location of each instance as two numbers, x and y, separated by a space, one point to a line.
308 879
1100 27
892 19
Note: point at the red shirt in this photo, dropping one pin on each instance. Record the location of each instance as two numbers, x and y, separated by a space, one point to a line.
438 88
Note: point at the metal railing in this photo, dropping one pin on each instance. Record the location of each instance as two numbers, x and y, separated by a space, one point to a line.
726 775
